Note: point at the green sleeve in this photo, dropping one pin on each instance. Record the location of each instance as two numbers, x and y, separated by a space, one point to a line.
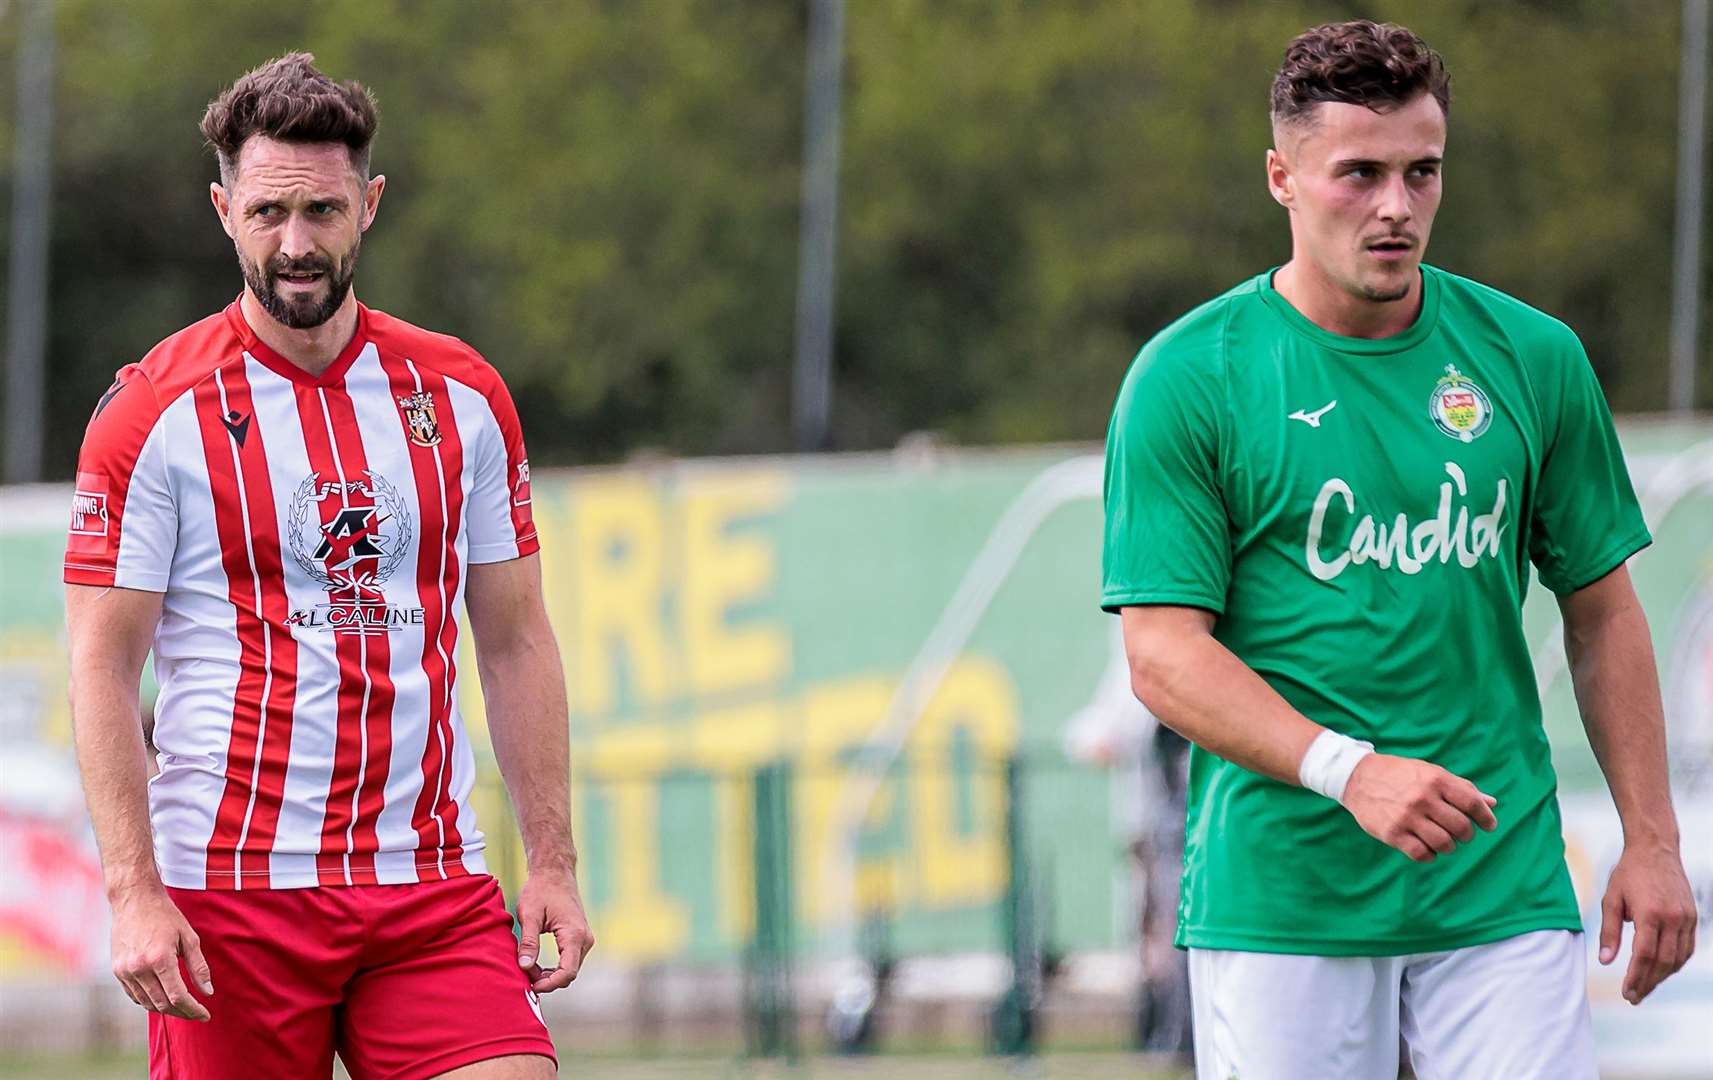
1167 538
1585 520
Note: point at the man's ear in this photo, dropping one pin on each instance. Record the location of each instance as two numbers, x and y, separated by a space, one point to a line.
372 200
222 208
1280 183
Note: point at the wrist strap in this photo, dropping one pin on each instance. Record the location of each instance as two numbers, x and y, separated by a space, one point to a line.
1330 760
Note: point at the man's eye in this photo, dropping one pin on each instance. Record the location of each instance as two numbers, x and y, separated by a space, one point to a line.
1363 172
321 208
267 211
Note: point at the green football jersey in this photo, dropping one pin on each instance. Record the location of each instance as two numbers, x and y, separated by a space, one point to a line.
1361 514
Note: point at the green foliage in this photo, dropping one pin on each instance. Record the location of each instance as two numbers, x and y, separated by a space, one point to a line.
602 197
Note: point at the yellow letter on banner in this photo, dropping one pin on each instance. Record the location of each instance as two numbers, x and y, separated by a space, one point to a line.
836 715
725 569
619 553
732 743
957 868
639 920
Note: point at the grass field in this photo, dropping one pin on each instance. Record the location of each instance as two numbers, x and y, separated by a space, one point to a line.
1056 1066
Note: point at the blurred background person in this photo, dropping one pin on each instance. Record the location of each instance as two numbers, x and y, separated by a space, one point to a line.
1150 770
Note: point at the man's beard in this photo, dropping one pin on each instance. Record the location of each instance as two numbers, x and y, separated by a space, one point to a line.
305 312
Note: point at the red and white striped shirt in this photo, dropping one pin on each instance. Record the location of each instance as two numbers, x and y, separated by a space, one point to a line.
310 535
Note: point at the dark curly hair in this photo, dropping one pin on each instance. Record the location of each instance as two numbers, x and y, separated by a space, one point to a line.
1377 65
289 100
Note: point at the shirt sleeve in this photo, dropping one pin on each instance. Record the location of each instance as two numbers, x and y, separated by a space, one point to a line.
1167 536
1585 520
499 518
124 524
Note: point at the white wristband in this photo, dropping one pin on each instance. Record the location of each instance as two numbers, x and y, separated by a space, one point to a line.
1330 760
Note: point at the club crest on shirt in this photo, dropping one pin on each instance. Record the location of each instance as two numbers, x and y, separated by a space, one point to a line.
350 536
1458 407
420 423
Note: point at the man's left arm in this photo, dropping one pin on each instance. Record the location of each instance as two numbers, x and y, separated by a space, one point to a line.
1617 690
523 685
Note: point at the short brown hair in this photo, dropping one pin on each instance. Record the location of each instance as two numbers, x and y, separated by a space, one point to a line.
1380 66
289 100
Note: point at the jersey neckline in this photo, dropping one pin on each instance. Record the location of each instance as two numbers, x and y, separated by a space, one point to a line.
284 368
1408 338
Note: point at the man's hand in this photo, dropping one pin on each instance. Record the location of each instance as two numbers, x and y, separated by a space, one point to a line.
1648 887
1415 806
549 901
149 936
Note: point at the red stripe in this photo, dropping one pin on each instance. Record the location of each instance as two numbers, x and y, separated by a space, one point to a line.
255 592
437 471
365 696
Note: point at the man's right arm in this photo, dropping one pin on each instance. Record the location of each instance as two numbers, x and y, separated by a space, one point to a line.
110 630
1166 567
1201 690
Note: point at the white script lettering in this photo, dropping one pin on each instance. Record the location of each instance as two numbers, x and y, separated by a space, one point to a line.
1397 543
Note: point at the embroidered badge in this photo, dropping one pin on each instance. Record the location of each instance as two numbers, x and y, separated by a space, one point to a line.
1458 407
419 419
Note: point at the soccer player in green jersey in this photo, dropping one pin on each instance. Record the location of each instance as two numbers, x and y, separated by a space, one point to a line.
1324 491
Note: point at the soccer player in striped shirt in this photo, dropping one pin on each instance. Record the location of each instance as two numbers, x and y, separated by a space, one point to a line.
1324 492
288 501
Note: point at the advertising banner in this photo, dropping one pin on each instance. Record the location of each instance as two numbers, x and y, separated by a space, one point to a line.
927 616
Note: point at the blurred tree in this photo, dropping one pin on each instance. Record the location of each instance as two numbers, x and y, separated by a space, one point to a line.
602 197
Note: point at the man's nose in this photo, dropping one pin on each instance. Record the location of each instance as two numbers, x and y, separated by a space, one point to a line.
296 239
1395 201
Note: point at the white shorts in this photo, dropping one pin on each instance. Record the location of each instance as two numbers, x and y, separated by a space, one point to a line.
1511 1010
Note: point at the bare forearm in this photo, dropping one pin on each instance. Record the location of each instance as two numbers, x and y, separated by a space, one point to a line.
1617 691
1198 688
107 729
1202 690
525 693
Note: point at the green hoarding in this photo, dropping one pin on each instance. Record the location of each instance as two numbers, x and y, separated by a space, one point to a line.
718 616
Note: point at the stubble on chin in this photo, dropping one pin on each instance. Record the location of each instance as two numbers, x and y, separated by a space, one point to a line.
1386 295
1386 292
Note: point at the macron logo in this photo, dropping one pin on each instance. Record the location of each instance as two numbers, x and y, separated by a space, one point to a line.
237 425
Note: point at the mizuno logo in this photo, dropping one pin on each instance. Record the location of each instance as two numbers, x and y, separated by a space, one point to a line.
238 424
1312 419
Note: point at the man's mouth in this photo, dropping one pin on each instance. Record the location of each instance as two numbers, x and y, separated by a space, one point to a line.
1392 247
300 275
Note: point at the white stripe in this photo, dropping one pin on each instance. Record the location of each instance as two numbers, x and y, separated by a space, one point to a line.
463 783
489 532
148 526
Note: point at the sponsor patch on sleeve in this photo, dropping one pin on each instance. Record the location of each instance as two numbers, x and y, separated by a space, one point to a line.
89 506
520 487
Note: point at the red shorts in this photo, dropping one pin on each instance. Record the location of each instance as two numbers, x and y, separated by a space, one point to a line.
402 981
